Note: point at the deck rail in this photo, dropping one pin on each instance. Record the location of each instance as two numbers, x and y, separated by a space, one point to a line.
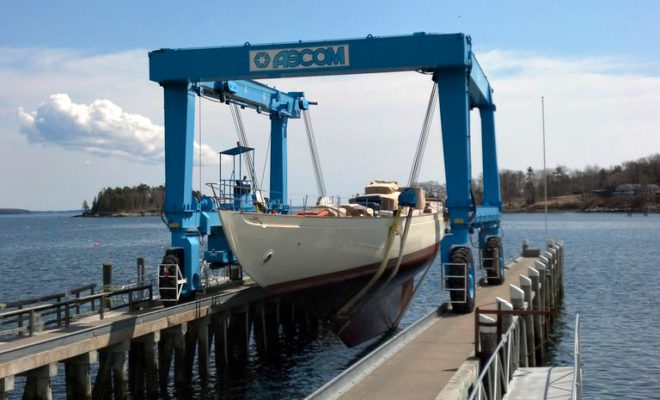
498 370
28 320
496 373
577 362
76 292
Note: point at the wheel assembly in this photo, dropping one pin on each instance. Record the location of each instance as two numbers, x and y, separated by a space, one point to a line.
494 261
462 282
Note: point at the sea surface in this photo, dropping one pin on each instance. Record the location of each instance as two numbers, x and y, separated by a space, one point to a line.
612 279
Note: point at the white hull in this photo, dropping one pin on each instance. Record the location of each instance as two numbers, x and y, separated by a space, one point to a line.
287 253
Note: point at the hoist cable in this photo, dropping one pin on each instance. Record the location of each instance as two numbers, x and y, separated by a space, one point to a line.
421 145
242 138
316 162
263 171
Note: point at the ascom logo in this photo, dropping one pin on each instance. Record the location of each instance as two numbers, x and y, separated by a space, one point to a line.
299 58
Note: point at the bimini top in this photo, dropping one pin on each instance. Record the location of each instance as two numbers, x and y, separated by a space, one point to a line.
234 151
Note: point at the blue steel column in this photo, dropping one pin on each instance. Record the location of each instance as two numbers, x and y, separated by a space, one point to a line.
492 195
278 166
455 117
180 208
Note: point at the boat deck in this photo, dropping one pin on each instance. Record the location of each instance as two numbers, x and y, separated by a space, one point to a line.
423 368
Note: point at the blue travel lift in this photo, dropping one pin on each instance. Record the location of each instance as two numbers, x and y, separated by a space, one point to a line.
226 73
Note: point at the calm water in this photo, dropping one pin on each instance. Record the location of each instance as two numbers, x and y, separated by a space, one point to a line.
611 273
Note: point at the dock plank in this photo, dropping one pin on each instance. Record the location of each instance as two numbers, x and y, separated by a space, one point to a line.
422 368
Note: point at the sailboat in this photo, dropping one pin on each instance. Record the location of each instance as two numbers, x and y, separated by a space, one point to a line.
353 264
344 263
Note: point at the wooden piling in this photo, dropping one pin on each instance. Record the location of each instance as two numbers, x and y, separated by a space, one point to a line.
165 354
517 297
488 343
77 373
203 348
548 261
141 275
505 324
119 373
197 342
143 367
220 340
258 317
288 319
136 370
190 340
37 383
107 283
272 315
544 284
151 364
181 372
537 296
6 386
239 334
559 270
526 286
102 384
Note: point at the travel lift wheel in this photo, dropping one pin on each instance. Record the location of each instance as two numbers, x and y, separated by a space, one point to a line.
494 261
170 279
460 263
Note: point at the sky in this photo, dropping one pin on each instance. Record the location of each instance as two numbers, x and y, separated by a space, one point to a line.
78 112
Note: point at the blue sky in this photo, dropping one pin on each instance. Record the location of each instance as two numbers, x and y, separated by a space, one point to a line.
551 27
596 62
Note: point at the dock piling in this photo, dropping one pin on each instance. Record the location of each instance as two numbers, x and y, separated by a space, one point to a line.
107 283
197 342
181 372
6 386
119 373
77 373
37 384
219 321
526 286
517 297
165 353
537 296
102 385
239 334
488 340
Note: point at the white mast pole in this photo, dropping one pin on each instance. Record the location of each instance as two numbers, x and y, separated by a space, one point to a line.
545 175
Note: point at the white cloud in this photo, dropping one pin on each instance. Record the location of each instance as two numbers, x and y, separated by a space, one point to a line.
100 128
599 110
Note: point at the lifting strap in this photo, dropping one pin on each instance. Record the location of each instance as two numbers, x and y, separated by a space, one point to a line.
414 174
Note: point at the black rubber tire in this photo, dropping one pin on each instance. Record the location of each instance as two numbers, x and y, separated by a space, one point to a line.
462 255
169 258
492 277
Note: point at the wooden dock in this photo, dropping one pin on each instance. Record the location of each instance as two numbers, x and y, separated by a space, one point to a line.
148 340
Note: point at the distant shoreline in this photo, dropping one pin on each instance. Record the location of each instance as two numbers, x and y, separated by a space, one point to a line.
125 214
120 214
11 211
